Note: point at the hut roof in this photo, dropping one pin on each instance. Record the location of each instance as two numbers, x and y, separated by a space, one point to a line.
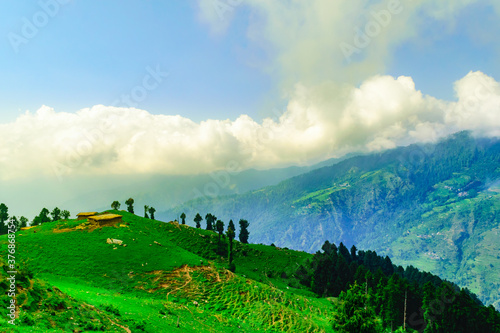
86 214
105 217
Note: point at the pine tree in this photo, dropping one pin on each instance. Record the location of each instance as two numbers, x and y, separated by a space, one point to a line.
183 218
231 225
230 234
210 220
219 226
354 313
244 233
146 208
152 211
197 220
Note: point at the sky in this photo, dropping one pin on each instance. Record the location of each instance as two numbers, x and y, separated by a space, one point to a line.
124 87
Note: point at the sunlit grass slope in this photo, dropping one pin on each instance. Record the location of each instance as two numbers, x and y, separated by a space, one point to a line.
164 277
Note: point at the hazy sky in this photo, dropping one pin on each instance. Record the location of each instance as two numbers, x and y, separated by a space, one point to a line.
188 86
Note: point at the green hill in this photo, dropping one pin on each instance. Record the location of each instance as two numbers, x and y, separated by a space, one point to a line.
433 206
142 275
163 277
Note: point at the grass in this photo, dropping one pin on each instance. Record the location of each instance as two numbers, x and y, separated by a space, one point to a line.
164 277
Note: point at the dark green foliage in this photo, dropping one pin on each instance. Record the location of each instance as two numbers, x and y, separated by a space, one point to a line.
146 208
65 214
4 215
219 227
210 221
23 222
56 214
43 217
355 313
115 205
230 235
439 306
244 233
111 309
130 205
232 267
13 221
231 225
197 220
183 218
152 211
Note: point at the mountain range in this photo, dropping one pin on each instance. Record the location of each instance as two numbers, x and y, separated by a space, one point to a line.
434 206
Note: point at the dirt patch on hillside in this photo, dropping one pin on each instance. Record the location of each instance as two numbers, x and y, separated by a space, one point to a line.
184 279
59 231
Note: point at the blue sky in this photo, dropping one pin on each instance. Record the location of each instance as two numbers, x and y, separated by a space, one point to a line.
91 52
251 84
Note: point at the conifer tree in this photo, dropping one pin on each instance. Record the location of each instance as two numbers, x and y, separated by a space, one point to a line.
231 225
230 234
152 211
354 313
197 220
219 226
244 233
183 218
210 220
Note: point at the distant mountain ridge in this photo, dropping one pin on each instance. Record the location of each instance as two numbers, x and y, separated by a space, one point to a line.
435 206
165 191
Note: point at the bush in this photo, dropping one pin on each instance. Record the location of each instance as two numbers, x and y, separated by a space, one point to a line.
25 318
110 308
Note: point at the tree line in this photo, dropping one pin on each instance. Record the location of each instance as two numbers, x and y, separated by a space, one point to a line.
130 208
21 222
375 295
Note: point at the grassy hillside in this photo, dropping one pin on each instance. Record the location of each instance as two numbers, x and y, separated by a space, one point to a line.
434 206
142 275
163 277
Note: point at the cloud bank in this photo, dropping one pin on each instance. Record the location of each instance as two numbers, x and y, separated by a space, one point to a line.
320 121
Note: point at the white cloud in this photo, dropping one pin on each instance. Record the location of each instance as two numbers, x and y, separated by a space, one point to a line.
320 121
342 40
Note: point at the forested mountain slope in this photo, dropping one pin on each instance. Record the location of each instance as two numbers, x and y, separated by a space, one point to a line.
434 206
